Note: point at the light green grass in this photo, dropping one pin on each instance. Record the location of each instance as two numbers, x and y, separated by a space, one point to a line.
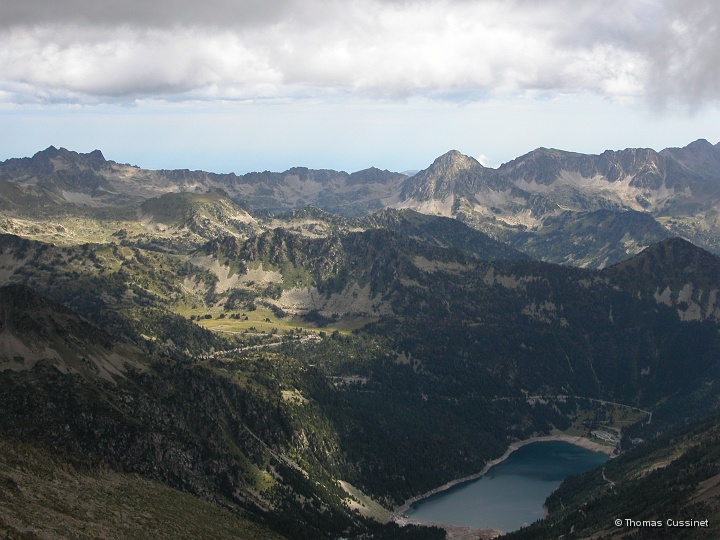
264 320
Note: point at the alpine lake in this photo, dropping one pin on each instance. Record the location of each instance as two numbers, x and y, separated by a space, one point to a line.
510 495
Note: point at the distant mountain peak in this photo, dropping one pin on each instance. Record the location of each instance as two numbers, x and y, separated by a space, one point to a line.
52 152
702 149
49 153
700 143
449 173
453 161
97 155
373 175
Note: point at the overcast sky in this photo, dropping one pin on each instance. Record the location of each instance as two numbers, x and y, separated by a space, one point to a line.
241 85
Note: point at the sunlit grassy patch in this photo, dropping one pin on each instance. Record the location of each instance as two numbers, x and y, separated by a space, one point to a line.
264 320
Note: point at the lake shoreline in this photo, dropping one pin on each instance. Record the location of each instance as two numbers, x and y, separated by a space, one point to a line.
398 513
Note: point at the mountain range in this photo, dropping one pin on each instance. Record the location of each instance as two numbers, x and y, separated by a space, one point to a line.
563 207
299 371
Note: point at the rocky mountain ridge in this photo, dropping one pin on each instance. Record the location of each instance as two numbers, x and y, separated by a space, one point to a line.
89 179
537 203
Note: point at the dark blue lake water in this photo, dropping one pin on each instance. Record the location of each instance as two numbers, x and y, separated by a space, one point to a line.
511 494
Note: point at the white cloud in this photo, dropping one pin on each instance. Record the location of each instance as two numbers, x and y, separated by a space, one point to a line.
685 57
70 62
93 51
485 161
